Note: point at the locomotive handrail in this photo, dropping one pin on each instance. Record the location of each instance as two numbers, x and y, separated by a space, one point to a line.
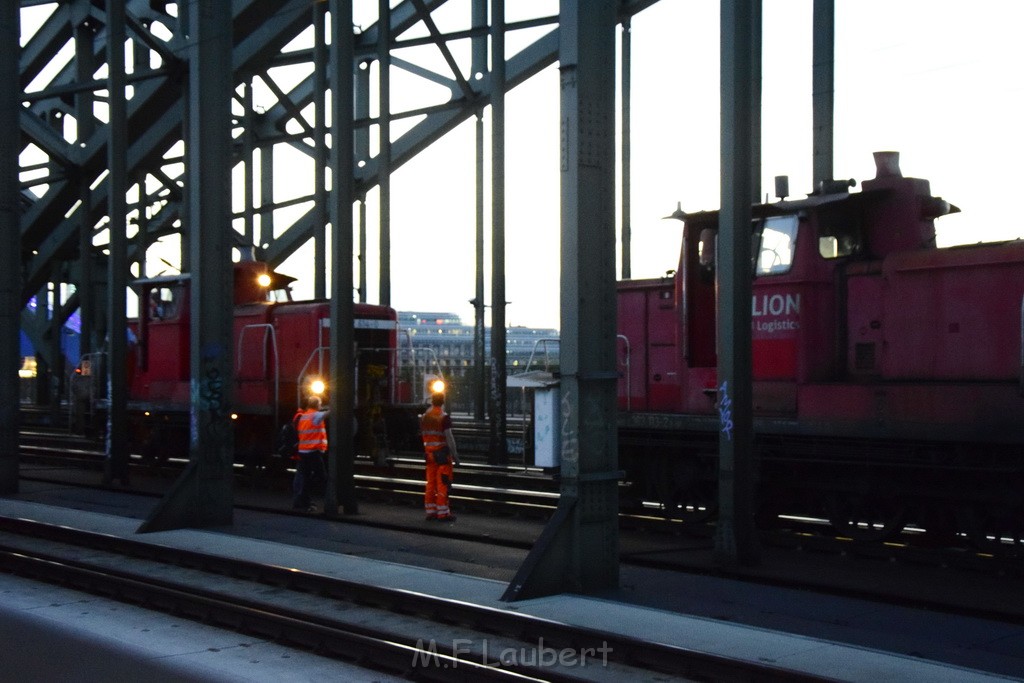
625 340
319 353
529 362
397 351
391 350
437 366
545 341
398 360
277 365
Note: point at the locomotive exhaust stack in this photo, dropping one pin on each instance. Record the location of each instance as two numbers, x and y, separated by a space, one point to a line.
887 165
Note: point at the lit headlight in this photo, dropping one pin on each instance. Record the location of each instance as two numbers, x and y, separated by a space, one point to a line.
317 387
437 386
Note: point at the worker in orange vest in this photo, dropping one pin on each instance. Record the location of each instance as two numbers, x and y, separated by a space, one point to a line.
441 454
310 471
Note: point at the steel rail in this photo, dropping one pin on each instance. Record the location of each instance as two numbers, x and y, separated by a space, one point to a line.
322 636
622 650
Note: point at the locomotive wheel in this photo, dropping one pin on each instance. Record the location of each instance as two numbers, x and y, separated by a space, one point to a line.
996 529
864 517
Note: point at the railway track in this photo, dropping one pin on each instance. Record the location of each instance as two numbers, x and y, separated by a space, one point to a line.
505 490
648 538
349 620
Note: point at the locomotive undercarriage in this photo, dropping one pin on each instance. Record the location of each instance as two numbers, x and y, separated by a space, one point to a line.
868 490
160 436
157 437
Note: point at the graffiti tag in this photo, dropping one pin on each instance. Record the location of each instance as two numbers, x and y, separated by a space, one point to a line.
725 410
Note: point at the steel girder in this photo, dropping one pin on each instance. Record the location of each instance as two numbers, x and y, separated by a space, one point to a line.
261 29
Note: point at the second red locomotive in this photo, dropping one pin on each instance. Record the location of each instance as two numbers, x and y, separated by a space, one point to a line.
888 373
281 350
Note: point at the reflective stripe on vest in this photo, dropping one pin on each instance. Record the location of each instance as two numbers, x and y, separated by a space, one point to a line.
311 437
432 429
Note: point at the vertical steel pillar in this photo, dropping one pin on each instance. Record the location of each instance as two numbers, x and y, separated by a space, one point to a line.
140 62
479 66
479 303
185 22
55 334
266 194
41 384
736 540
116 463
202 495
823 86
341 482
579 549
627 68
362 248
361 138
10 247
499 350
319 151
249 177
755 98
142 233
85 67
384 151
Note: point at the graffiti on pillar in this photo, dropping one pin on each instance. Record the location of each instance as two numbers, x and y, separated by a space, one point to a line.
210 411
211 393
570 439
725 410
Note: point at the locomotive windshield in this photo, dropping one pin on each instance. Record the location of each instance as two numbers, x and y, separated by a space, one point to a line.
778 238
281 294
164 302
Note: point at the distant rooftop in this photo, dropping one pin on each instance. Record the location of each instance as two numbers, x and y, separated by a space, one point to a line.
452 323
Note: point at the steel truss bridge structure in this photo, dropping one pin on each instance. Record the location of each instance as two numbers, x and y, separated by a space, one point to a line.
66 128
119 148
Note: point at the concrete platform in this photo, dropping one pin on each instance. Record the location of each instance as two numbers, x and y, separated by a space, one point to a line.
845 639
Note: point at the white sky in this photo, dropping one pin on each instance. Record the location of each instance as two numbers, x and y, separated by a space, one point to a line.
936 80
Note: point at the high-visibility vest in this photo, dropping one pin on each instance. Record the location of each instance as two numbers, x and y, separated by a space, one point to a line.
432 429
311 437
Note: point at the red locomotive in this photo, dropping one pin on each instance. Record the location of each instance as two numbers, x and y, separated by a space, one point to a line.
281 350
888 373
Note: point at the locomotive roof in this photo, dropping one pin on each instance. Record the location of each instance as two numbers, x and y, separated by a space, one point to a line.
854 200
163 279
277 280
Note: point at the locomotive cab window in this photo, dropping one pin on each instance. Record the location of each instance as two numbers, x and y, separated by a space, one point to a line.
279 295
776 245
839 232
706 246
838 242
163 303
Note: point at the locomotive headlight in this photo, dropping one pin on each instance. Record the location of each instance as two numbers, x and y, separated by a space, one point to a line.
317 387
437 386
263 280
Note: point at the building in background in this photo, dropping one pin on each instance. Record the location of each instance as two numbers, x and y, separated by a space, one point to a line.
441 340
